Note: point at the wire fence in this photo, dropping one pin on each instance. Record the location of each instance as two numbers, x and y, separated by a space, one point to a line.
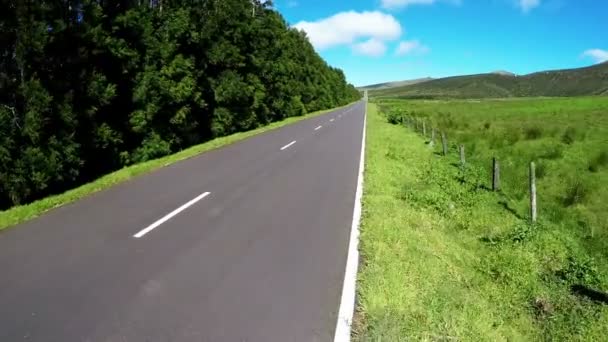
517 183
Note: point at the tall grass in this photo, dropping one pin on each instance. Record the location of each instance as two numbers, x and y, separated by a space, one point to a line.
446 258
567 138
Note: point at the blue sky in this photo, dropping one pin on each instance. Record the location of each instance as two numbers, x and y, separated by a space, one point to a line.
387 40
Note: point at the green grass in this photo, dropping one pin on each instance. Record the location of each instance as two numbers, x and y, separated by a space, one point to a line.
26 212
444 258
591 80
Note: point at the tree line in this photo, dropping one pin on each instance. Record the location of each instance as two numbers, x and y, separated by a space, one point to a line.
90 86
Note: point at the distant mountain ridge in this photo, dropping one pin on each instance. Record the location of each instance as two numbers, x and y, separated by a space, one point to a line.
394 84
592 80
503 72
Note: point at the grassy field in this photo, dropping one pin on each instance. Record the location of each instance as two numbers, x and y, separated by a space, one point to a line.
445 258
23 213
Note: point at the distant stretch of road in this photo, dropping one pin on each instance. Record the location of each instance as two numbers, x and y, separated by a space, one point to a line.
244 243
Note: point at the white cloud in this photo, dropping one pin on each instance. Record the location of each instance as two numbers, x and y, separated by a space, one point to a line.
597 55
347 27
409 47
391 4
371 47
527 5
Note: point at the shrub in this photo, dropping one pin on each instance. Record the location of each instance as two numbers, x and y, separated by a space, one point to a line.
495 141
579 270
522 232
576 192
446 121
394 117
600 160
533 133
569 136
541 170
553 152
511 136
498 139
152 147
296 107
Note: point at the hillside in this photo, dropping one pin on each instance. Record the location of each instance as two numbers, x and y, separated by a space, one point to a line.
445 255
387 85
591 80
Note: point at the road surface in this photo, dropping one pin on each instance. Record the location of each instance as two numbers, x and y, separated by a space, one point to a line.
244 243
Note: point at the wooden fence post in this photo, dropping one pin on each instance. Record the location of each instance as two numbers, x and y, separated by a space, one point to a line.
495 174
462 160
533 192
424 128
432 142
444 143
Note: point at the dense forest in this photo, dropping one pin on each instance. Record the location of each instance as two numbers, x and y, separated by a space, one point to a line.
89 86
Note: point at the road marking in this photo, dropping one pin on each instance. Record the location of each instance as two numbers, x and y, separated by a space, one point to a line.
347 302
286 146
331 120
318 128
170 215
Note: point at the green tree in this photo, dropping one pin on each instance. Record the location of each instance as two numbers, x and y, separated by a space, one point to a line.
87 86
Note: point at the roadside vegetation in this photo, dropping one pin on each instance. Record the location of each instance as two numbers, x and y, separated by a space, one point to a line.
22 213
446 258
88 87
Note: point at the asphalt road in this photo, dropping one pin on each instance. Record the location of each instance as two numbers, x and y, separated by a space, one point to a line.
253 248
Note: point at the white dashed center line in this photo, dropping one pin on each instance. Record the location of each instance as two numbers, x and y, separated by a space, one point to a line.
170 215
286 146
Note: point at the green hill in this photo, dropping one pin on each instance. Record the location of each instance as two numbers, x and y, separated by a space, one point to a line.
591 80
395 84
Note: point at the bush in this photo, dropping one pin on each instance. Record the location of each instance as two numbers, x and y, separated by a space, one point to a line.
522 232
553 152
600 160
582 270
569 136
296 107
576 193
495 141
394 117
533 133
447 122
152 147
511 136
540 170
508 136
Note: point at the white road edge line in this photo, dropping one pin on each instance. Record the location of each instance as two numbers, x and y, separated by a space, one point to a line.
170 215
347 302
318 128
286 146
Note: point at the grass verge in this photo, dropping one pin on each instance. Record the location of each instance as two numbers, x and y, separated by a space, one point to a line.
442 259
22 213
